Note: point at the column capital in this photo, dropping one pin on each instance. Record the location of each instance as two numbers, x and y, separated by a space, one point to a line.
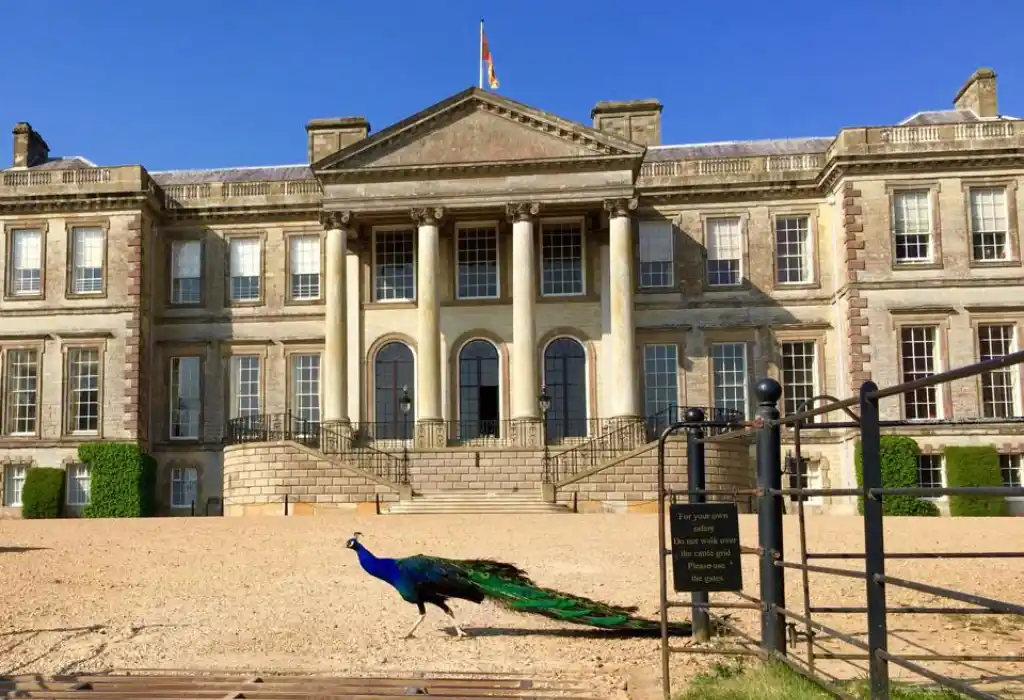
344 219
521 211
621 206
426 216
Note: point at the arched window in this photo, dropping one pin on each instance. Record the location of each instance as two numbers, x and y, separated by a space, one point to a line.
565 378
479 395
394 374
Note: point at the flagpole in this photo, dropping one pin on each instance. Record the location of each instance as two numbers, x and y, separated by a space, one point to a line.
480 58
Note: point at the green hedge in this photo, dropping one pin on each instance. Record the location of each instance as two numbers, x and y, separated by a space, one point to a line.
42 495
899 470
974 466
123 480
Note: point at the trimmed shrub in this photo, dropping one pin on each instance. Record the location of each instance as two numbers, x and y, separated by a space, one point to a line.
43 493
899 471
974 466
123 480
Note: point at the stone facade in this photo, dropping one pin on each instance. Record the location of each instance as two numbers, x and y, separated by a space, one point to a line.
482 254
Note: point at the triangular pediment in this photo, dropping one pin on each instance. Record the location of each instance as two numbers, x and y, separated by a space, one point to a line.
476 128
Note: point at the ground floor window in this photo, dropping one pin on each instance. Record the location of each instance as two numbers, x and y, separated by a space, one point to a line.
479 391
565 380
79 483
394 376
184 487
14 484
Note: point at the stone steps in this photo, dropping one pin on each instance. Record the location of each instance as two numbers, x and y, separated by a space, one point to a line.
476 503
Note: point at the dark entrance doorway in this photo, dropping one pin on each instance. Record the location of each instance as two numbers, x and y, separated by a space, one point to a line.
394 373
479 393
565 378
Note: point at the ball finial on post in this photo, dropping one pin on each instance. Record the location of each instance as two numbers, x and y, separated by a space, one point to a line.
768 392
694 415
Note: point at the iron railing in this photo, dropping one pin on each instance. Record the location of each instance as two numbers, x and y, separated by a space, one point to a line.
335 440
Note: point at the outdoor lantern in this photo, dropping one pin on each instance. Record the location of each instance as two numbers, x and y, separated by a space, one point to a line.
405 403
544 401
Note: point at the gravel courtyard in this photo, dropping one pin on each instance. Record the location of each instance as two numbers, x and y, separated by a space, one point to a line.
284 594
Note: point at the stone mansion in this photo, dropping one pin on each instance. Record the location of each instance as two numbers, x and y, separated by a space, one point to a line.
471 293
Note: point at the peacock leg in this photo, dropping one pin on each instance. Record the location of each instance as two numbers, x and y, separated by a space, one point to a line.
419 620
459 632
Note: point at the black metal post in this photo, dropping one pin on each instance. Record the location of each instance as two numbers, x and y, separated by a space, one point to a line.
769 516
286 504
696 479
874 542
193 514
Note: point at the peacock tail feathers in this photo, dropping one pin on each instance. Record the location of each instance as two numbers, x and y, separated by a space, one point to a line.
509 586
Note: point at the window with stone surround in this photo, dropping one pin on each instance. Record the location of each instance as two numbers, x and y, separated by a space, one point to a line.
919 359
14 484
245 386
21 392
82 384
246 269
477 263
561 252
394 265
657 255
930 472
912 226
724 251
661 380
1011 468
729 373
186 402
79 485
304 257
793 249
25 277
799 375
184 487
186 272
305 386
87 253
989 224
999 390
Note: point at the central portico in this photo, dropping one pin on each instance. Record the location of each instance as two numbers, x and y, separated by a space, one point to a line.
501 206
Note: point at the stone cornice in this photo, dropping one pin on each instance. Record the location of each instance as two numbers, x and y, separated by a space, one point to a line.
58 204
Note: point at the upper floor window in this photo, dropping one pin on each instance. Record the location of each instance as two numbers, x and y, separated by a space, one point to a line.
87 260
561 252
394 261
14 484
26 273
729 374
793 249
246 269
477 263
989 224
304 256
21 400
912 226
186 402
919 359
799 375
245 386
656 254
184 487
83 390
998 387
186 272
79 485
725 251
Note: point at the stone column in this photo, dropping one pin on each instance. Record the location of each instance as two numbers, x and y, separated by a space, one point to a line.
335 364
430 427
523 371
622 256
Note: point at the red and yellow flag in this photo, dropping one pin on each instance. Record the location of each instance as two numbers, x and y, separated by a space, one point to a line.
485 57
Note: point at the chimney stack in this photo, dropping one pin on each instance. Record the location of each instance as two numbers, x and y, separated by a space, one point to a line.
638 121
29 147
327 136
979 94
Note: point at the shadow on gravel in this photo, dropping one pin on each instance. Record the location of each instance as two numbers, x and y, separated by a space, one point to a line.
16 550
562 633
67 634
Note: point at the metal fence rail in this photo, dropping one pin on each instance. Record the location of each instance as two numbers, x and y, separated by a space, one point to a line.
779 622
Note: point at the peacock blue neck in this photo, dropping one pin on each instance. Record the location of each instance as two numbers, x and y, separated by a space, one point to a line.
384 569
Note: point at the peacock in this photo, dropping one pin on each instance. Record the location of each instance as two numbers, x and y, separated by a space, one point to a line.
424 579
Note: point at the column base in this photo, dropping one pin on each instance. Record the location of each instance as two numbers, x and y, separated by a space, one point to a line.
335 436
527 432
431 433
624 432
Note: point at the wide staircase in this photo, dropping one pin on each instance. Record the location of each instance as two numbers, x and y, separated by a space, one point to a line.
475 503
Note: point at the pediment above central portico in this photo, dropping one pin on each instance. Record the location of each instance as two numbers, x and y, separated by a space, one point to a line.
477 130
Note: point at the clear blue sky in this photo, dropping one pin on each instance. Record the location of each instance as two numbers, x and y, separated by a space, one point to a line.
209 83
